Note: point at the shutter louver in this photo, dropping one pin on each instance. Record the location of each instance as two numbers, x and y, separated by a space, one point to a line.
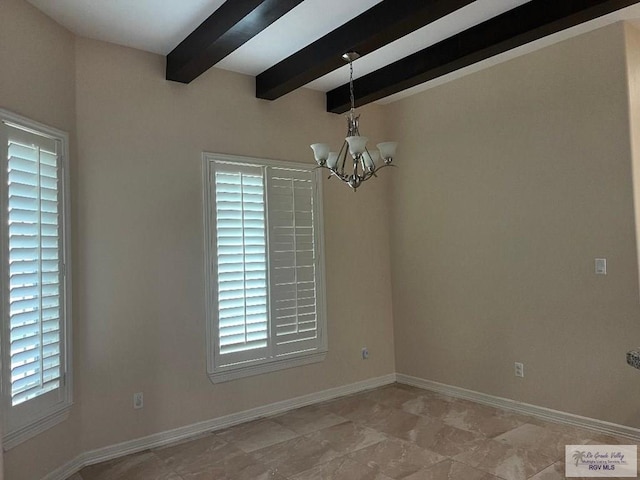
243 326
34 248
292 248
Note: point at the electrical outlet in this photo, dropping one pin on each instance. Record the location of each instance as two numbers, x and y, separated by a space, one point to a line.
519 369
138 400
365 353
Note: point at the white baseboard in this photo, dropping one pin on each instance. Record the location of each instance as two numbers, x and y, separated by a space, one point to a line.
66 470
183 433
522 408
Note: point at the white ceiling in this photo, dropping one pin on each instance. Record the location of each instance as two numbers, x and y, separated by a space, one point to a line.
155 26
158 26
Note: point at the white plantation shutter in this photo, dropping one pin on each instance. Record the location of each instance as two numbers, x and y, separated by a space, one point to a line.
34 266
34 307
293 261
243 328
264 276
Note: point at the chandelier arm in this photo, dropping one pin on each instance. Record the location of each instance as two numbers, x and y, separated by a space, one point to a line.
343 153
373 174
333 173
382 166
368 176
337 174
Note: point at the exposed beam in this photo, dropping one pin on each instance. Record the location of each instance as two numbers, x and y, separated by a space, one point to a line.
384 23
524 24
230 26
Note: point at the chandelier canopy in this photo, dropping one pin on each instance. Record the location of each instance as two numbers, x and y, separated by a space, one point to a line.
365 162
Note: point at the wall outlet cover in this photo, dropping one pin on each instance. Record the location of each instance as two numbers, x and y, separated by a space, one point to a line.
519 368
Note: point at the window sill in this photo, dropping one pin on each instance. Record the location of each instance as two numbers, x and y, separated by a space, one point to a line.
222 376
15 438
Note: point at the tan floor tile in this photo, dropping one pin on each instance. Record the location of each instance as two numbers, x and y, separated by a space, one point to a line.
481 418
556 472
256 435
392 396
552 472
539 439
468 405
441 438
75 476
141 466
393 421
429 405
505 461
308 419
243 467
396 458
356 408
197 455
578 435
295 456
348 437
341 468
596 438
450 470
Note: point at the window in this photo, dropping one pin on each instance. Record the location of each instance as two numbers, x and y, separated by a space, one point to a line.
264 258
36 392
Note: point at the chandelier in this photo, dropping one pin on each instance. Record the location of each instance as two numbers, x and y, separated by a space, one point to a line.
366 163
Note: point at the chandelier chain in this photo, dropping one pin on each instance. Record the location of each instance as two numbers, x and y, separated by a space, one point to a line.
353 102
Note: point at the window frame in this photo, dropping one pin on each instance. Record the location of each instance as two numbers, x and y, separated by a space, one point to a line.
223 373
38 414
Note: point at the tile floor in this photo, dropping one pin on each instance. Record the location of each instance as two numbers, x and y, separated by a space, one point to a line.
394 432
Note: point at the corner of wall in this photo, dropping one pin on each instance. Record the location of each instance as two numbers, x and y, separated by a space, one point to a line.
632 55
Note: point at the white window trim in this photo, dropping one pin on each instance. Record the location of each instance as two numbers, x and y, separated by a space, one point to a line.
60 411
224 374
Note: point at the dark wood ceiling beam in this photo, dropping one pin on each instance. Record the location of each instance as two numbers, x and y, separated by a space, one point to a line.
524 24
384 23
230 26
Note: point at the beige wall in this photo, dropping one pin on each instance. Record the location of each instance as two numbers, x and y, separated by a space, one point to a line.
37 80
514 179
140 317
632 36
38 74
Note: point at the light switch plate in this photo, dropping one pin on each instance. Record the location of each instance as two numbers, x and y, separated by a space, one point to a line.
601 266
